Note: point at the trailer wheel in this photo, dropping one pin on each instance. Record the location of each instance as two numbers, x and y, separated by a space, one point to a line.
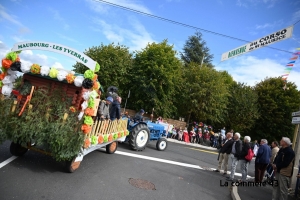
112 147
161 144
17 149
139 137
72 166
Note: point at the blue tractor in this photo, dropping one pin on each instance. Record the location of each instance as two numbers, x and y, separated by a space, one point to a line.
140 133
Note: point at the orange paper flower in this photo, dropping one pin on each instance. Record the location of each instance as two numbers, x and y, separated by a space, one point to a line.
6 63
35 69
86 128
100 139
96 85
95 77
119 135
89 111
70 78
87 143
110 138
2 75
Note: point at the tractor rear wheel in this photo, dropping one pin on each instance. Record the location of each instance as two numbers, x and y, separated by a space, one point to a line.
17 149
161 144
111 148
139 137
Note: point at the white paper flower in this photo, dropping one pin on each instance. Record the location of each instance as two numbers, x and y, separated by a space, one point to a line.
45 70
78 81
84 105
10 72
7 89
62 75
13 78
25 68
7 80
80 115
86 95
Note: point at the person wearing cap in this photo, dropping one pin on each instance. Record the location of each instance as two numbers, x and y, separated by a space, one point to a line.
103 110
139 116
283 165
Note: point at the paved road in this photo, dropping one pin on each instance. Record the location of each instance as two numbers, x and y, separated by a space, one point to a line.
103 176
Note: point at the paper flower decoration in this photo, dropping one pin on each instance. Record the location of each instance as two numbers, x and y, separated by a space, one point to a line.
7 80
45 70
94 140
70 78
96 85
110 138
94 94
62 75
87 143
119 134
1 84
89 74
35 69
88 120
87 83
122 134
78 81
16 66
6 63
86 95
2 76
89 112
86 128
91 103
7 89
100 139
13 56
72 109
105 138
84 105
97 68
25 68
80 115
53 72
115 136
95 77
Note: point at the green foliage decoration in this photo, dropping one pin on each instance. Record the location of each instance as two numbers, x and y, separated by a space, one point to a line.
44 124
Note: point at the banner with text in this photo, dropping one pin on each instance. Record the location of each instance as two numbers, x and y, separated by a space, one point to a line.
58 48
264 41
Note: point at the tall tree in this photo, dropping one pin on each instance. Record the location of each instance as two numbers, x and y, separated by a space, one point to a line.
243 108
115 62
275 106
195 49
153 79
204 94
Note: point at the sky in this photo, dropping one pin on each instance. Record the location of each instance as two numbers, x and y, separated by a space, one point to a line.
81 24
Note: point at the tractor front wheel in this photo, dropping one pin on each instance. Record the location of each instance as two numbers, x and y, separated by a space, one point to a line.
17 149
139 137
161 144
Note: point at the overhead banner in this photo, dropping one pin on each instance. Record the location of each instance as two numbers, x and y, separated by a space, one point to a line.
57 48
264 41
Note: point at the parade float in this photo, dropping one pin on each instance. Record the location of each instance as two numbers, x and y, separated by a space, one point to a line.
53 110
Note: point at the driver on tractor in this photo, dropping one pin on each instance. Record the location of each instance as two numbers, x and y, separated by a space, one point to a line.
139 116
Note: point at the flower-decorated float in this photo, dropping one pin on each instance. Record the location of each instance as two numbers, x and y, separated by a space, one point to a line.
53 110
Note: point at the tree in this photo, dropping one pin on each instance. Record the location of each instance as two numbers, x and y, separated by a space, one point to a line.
243 108
275 106
204 94
153 79
195 50
115 62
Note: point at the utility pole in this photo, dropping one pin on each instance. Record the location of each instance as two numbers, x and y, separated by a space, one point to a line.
126 101
296 148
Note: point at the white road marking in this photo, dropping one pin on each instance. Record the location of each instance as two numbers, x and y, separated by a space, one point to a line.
169 162
7 161
158 160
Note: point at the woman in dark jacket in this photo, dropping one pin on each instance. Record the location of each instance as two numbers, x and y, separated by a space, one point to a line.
244 163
